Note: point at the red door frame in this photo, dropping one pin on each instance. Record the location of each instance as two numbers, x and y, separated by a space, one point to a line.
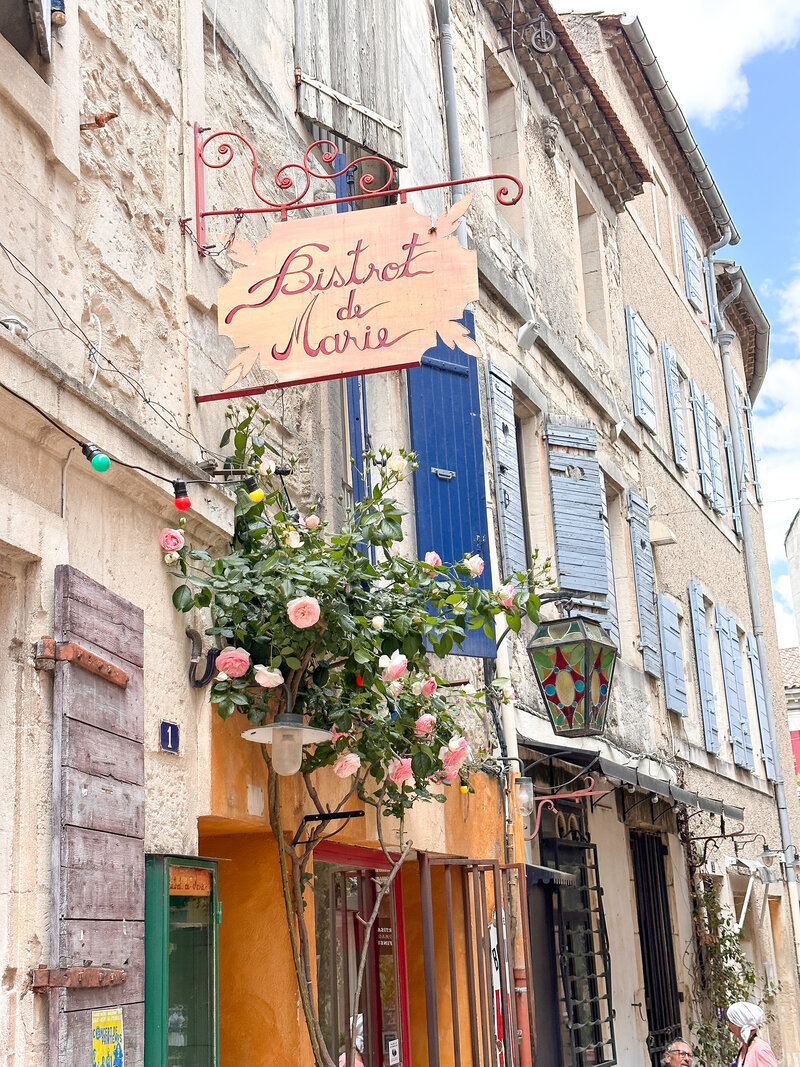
357 857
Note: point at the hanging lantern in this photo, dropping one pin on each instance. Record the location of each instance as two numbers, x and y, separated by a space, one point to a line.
287 734
573 660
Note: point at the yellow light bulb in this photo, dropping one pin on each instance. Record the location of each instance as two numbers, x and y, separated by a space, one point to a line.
256 496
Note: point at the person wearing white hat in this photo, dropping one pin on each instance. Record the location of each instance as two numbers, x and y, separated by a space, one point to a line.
744 1020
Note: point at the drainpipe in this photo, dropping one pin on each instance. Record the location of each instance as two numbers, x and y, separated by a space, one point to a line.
725 337
442 9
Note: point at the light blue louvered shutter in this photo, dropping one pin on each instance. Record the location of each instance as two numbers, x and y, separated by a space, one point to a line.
577 503
677 426
691 263
711 295
506 462
672 655
644 401
606 611
735 506
644 580
701 437
712 434
705 680
733 683
740 431
748 418
761 707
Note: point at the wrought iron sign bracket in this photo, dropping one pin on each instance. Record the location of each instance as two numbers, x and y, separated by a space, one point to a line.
550 802
370 187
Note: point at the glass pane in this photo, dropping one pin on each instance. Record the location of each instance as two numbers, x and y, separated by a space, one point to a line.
190 1002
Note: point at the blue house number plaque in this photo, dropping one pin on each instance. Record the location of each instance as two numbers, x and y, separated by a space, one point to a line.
170 737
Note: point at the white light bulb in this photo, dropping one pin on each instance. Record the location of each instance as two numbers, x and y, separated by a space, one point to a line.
524 787
287 749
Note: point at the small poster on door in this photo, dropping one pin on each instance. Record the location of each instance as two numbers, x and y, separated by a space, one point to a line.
108 1043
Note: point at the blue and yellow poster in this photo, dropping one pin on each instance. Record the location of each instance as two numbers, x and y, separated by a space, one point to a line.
108 1044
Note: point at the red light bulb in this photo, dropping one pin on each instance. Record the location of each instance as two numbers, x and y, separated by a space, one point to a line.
182 501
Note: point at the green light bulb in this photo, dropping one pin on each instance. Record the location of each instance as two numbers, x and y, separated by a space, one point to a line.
101 462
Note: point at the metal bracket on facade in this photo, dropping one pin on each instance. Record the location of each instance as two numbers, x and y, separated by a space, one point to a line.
549 802
49 652
45 978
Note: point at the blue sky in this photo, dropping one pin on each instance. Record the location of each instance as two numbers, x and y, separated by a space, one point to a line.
735 70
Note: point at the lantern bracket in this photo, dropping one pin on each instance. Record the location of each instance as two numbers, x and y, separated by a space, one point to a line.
549 802
326 816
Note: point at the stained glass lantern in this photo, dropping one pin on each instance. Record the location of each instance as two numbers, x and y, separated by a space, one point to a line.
573 660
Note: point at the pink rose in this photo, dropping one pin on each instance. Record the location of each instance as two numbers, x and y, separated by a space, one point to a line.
429 687
303 611
395 688
171 540
505 596
267 678
336 734
311 522
293 539
234 662
475 565
347 764
400 771
433 559
453 756
393 667
423 727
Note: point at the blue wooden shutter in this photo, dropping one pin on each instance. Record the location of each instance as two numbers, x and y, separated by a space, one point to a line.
733 683
447 436
735 507
644 579
506 463
748 418
672 379
703 659
691 263
606 611
711 295
761 707
644 402
740 431
672 655
701 437
712 433
577 503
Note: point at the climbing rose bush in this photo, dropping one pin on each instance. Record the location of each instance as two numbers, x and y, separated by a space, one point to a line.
340 624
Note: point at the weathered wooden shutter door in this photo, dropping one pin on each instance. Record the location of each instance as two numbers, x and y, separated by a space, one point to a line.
701 437
733 682
577 503
712 433
450 493
703 659
98 817
42 17
711 295
644 401
644 579
348 58
735 506
675 692
604 610
509 482
748 418
761 708
691 263
677 426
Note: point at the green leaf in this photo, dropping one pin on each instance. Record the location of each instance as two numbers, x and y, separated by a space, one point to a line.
421 765
514 621
361 656
183 598
225 438
293 662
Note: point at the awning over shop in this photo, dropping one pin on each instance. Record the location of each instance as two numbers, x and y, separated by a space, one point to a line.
547 875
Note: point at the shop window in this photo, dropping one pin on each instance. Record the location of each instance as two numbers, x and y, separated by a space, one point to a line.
181 971
346 885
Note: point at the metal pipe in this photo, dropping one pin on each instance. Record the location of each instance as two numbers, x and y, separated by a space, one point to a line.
442 9
676 120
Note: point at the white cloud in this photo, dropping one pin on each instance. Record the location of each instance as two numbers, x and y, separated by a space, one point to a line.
789 311
703 45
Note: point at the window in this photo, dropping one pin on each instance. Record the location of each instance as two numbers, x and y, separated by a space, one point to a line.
730 651
662 216
590 245
692 264
705 671
504 153
675 692
644 581
346 884
675 383
640 353
181 971
512 511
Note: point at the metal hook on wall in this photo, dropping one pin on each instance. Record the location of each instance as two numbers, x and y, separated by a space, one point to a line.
197 652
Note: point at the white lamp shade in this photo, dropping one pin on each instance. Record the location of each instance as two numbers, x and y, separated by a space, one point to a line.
287 735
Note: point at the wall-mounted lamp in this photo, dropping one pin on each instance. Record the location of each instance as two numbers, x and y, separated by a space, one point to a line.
287 734
524 794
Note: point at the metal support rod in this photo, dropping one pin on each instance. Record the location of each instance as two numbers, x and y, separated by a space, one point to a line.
429 959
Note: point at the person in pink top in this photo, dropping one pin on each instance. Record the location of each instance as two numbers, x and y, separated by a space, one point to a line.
744 1020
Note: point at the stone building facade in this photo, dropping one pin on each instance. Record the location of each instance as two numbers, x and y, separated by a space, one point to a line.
608 443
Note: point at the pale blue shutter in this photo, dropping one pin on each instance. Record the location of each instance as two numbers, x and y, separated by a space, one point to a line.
705 680
645 582
675 406
711 294
672 655
740 431
644 402
506 463
712 433
606 612
577 503
761 707
748 418
691 263
735 507
733 683
701 437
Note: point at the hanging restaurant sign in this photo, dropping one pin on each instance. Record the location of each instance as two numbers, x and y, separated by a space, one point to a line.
347 293
350 293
